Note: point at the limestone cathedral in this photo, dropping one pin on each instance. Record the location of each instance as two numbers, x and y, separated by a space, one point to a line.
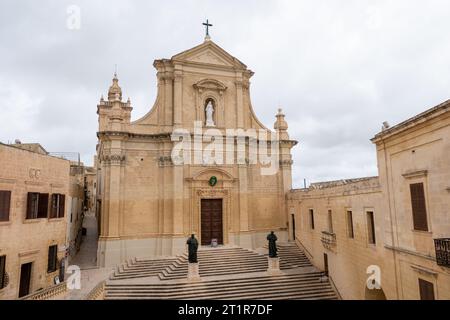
148 204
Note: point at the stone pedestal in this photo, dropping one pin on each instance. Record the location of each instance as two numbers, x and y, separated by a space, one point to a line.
193 272
274 266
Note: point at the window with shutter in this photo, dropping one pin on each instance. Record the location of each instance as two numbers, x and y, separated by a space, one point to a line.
5 203
371 227
418 207
52 258
426 290
43 205
54 207
2 271
350 224
62 207
32 205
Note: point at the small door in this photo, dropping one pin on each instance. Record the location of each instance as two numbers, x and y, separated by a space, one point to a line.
325 263
25 277
293 226
426 290
211 221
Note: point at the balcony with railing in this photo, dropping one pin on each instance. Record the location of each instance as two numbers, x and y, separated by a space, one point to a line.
442 247
328 239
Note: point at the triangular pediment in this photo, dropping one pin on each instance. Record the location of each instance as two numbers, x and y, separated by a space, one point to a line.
209 53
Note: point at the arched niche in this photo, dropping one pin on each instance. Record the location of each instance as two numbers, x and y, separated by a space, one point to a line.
210 90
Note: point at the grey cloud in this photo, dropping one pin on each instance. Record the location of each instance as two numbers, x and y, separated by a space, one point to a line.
337 68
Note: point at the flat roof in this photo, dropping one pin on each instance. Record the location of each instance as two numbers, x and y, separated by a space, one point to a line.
420 118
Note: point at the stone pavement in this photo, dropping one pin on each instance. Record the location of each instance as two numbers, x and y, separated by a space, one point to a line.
86 259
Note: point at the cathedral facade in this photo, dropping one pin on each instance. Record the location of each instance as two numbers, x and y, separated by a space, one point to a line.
199 162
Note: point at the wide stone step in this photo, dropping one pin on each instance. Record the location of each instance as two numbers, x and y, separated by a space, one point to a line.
221 261
245 294
256 285
300 276
303 290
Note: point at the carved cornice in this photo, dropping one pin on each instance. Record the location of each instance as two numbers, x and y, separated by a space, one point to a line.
210 84
286 163
165 161
210 193
112 159
423 270
3 180
415 174
158 136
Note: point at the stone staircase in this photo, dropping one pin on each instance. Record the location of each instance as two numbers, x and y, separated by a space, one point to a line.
226 272
290 286
212 262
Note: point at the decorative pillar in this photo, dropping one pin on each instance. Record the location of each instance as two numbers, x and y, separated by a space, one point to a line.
177 98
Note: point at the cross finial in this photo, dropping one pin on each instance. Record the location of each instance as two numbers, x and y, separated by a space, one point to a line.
207 25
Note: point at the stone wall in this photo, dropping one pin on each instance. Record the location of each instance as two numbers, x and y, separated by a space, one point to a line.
22 240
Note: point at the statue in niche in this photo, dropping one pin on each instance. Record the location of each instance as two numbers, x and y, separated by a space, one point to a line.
209 111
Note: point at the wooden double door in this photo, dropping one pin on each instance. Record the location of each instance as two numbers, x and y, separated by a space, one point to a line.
211 221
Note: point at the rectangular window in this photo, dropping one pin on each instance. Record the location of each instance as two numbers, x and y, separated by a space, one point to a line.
37 205
419 210
5 203
43 205
52 258
330 221
58 206
351 234
311 218
426 290
2 271
371 227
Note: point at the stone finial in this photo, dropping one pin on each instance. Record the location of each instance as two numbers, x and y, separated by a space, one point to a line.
115 92
281 125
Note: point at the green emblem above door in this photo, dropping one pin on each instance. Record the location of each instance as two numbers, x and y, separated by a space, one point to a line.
212 181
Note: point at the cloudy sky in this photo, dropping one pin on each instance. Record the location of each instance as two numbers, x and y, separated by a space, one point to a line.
338 68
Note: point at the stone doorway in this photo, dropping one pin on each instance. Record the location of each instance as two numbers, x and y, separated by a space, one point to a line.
25 278
211 221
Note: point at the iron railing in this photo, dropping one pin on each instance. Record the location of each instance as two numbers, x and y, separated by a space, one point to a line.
442 247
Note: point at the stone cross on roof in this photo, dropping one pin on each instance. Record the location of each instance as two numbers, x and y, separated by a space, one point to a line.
207 25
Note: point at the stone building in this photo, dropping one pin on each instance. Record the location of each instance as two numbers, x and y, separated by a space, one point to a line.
75 203
414 168
33 218
149 204
397 222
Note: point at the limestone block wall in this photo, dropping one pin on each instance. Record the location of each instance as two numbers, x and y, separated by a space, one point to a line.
348 258
417 151
21 240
